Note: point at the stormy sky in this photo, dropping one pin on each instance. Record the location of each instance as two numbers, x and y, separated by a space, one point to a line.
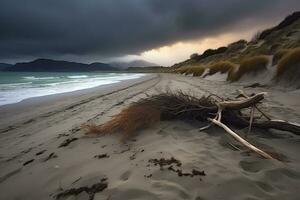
104 30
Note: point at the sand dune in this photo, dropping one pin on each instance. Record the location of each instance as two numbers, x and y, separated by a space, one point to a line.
44 153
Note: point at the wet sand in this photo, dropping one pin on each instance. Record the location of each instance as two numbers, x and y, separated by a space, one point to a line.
45 155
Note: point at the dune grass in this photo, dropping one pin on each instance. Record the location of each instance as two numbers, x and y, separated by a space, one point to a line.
251 65
222 67
194 70
278 55
288 67
231 76
182 70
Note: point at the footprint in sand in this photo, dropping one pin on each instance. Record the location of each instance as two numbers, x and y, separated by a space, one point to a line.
9 174
264 186
125 176
253 166
279 174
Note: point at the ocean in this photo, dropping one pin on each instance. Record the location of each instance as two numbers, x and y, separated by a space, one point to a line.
17 86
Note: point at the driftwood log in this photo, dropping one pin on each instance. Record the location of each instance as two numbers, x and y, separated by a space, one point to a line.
273 123
211 109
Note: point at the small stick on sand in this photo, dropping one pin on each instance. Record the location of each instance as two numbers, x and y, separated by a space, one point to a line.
251 119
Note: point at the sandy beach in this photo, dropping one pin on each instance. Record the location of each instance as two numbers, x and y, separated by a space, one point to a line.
45 154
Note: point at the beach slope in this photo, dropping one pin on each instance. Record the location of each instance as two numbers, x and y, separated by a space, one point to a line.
44 154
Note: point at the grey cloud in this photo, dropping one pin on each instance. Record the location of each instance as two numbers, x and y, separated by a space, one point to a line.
108 28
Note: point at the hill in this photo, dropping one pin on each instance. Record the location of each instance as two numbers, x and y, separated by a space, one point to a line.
47 65
4 65
134 63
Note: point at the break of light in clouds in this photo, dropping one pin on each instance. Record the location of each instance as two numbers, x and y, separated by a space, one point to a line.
170 54
159 31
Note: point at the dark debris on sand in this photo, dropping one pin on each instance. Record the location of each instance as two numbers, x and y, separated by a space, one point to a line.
163 162
40 152
174 162
67 142
62 135
148 176
192 174
27 162
91 191
51 156
100 156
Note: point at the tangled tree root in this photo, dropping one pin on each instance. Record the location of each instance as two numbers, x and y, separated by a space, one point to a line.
211 109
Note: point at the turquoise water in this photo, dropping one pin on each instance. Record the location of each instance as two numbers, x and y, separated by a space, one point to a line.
17 86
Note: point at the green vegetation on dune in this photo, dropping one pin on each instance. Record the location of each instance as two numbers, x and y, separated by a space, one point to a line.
286 22
236 46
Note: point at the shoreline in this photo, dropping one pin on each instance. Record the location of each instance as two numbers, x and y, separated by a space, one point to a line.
26 105
47 84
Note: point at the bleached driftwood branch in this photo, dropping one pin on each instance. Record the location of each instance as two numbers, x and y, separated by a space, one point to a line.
240 104
240 139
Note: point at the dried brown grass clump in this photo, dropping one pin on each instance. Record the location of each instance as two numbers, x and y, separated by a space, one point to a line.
188 71
194 70
222 67
250 66
182 70
288 68
278 55
232 74
131 119
197 71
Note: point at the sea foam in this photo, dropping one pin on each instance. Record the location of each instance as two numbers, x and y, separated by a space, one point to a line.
41 85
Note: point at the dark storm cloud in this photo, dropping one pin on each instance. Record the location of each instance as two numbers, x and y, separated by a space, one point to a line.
117 27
